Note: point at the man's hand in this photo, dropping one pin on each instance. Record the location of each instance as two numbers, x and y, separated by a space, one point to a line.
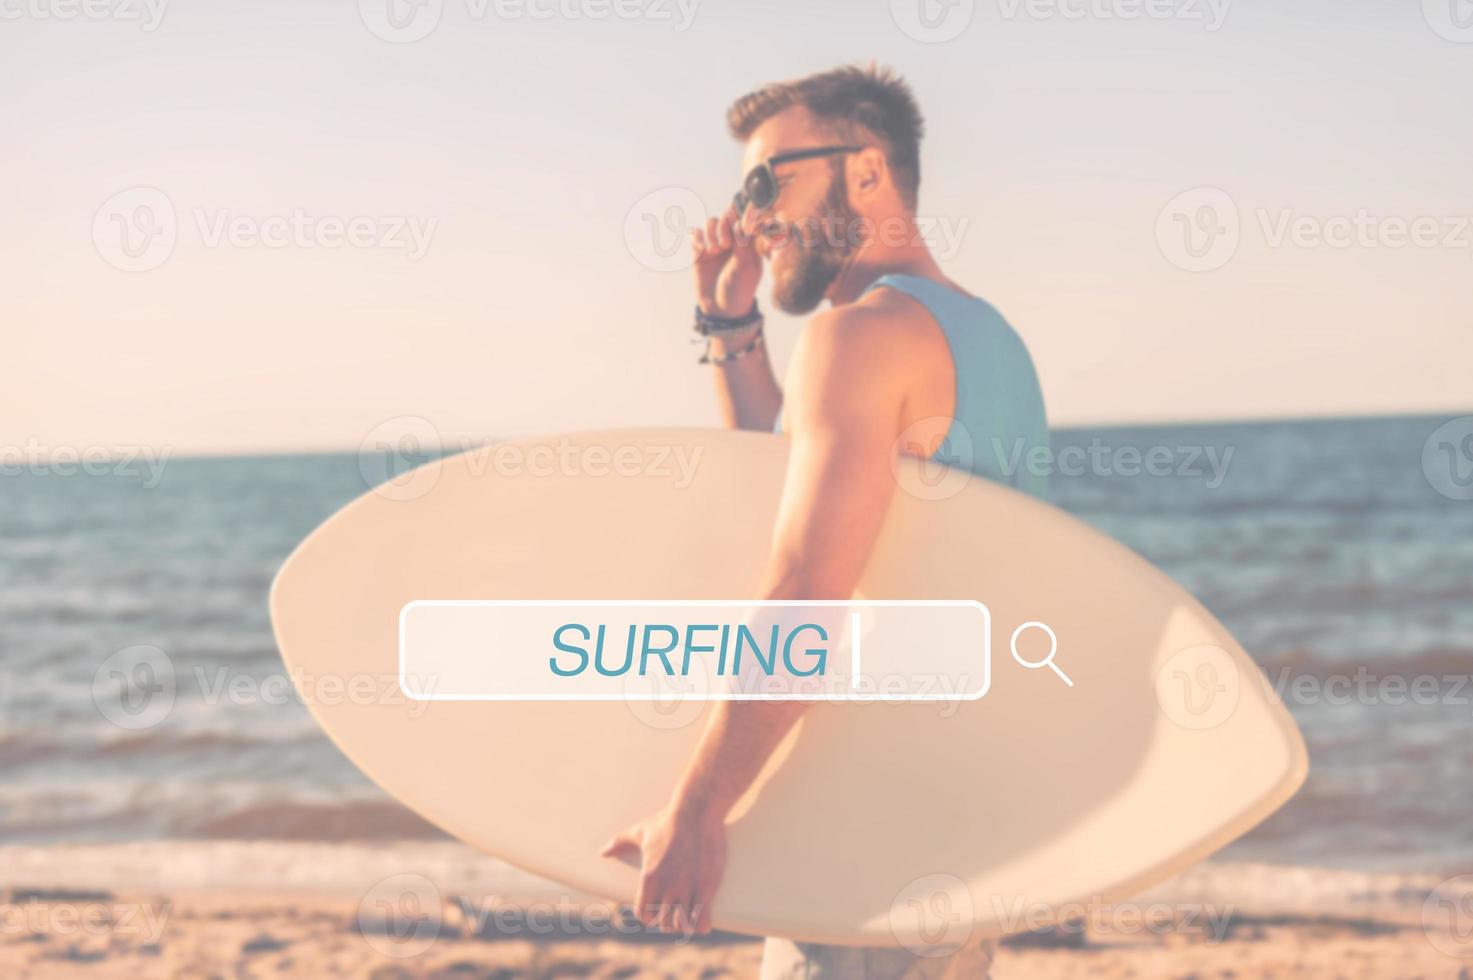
727 266
682 857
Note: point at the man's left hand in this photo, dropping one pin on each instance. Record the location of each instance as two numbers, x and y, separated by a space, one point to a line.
682 856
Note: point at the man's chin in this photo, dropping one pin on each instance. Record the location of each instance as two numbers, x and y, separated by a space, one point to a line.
796 302
801 294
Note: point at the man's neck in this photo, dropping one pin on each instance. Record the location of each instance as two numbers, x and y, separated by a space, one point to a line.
875 259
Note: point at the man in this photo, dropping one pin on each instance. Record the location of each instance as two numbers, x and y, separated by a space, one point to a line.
901 360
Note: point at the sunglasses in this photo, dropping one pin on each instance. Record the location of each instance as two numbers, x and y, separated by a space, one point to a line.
760 189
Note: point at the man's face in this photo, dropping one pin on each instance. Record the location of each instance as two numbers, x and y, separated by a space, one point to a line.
804 235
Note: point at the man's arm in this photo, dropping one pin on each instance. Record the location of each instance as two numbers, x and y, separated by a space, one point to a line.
844 412
727 271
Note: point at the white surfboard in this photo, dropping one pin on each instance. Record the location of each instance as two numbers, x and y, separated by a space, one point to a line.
875 824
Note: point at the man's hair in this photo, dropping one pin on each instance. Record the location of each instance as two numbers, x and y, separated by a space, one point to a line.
856 103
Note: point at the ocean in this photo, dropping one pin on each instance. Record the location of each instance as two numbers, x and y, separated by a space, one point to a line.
1331 549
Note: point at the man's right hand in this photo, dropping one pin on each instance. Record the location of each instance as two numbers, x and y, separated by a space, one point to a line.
727 266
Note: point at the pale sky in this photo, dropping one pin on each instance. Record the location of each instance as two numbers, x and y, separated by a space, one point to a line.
531 154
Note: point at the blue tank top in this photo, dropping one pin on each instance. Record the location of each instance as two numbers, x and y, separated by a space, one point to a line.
999 420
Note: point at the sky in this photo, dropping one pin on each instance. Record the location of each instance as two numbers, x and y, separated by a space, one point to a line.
267 226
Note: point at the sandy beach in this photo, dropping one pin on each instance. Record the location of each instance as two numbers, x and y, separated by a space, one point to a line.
436 909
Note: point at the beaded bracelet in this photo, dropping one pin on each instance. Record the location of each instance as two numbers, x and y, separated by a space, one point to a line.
708 358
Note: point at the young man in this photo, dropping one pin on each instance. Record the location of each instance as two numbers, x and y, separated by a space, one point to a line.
902 359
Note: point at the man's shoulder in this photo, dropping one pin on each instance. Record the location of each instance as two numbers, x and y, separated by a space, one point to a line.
876 349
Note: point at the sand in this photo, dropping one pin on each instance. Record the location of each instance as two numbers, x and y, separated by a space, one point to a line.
433 909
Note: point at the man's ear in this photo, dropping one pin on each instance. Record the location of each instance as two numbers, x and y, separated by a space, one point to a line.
866 173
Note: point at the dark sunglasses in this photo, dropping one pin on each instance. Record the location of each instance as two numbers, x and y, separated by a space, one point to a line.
759 189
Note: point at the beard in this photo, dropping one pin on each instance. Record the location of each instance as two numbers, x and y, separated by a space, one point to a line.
817 251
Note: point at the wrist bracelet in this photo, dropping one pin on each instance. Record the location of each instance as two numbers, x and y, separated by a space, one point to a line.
708 324
708 358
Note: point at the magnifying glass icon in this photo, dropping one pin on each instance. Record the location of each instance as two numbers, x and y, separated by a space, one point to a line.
1048 660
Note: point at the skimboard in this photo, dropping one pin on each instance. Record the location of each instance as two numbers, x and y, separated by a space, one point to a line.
875 824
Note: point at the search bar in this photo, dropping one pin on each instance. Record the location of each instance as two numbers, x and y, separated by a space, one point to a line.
712 650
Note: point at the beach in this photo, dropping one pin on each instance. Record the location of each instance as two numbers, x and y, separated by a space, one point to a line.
438 909
219 833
